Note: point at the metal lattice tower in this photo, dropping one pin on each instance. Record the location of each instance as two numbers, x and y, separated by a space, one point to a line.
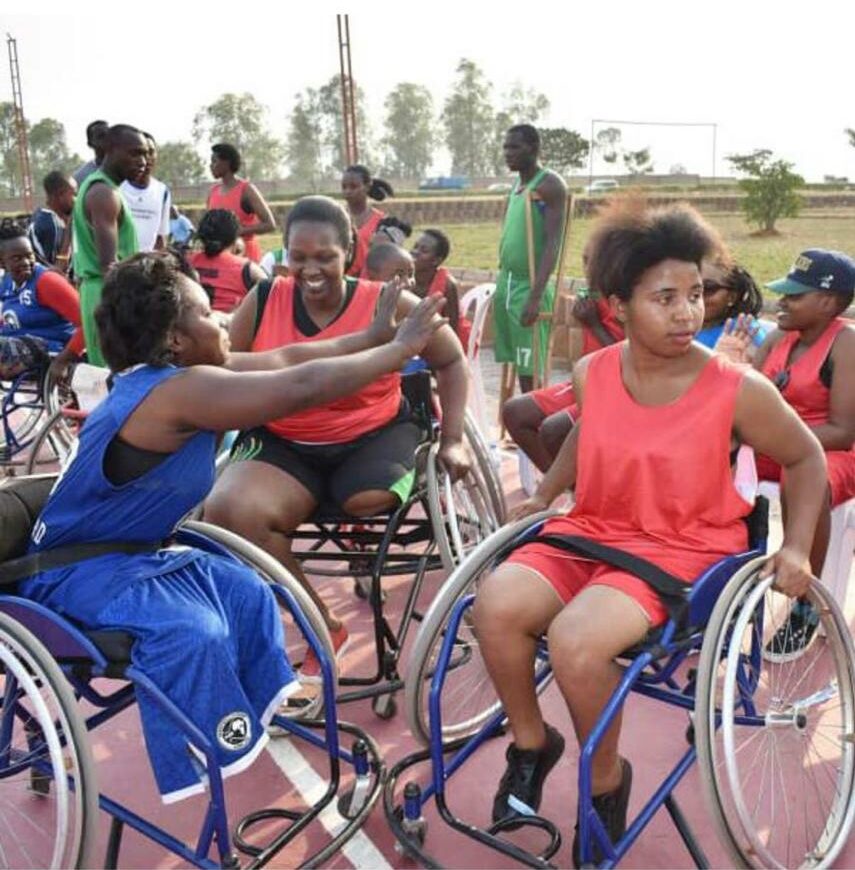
348 101
20 124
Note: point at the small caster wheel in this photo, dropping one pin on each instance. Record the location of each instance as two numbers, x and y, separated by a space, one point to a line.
418 833
344 804
361 589
690 734
384 707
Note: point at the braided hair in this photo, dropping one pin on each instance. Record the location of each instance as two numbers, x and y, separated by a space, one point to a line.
749 299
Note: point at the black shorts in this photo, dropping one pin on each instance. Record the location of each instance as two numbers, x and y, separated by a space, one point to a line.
383 459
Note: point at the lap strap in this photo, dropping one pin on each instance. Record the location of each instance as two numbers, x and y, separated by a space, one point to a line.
673 591
60 557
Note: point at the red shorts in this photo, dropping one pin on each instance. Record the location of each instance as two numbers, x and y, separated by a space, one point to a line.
558 397
841 473
569 575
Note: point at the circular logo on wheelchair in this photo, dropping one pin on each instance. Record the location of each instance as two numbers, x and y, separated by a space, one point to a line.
234 731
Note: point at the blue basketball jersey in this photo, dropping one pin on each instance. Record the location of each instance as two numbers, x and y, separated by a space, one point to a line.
23 314
85 507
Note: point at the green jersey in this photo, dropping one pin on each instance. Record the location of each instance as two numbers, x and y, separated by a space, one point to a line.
513 246
87 266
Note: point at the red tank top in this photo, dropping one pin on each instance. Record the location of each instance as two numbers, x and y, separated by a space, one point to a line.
801 387
224 275
347 418
612 326
657 481
363 242
219 197
437 288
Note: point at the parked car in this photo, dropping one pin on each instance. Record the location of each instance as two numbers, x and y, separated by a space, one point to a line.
500 187
601 185
446 182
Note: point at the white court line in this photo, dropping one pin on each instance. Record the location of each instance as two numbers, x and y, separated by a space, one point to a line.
359 849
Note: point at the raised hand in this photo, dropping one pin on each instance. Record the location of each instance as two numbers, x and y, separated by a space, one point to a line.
384 325
420 324
736 341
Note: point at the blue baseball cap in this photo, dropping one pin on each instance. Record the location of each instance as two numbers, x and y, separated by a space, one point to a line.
817 269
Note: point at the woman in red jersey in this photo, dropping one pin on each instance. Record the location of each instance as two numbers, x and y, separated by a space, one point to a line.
226 277
357 453
358 187
650 462
239 196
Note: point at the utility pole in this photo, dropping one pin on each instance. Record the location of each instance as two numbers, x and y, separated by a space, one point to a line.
20 125
348 101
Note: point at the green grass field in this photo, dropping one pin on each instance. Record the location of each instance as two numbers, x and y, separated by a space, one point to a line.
474 246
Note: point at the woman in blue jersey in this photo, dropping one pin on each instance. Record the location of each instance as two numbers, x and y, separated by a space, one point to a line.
207 631
39 308
729 290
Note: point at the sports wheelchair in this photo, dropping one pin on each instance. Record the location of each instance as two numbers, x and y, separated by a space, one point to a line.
22 411
434 529
759 731
53 691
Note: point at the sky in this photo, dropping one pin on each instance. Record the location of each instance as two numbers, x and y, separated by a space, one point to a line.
768 74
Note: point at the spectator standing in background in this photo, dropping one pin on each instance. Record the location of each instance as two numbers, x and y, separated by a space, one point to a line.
96 137
149 201
50 228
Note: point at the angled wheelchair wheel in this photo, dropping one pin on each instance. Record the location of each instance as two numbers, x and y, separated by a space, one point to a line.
468 698
22 412
48 787
485 468
775 740
461 513
53 443
308 703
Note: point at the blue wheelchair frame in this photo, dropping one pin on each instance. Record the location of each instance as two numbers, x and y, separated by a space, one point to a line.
650 671
24 394
81 660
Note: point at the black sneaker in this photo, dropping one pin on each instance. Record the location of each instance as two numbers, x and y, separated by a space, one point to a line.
793 638
611 808
522 784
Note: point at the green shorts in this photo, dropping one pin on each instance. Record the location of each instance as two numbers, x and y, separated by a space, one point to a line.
513 342
90 297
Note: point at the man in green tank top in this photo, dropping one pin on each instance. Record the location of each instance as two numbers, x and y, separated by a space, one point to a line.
102 226
519 299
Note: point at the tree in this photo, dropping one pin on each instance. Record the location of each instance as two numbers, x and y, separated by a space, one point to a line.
242 121
607 142
638 162
470 122
770 188
10 170
305 135
329 107
563 149
520 105
178 163
851 134
49 150
410 130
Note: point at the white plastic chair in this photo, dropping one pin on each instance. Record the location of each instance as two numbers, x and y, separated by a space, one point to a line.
841 543
479 298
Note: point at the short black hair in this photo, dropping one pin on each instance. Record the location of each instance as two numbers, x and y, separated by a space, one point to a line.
528 133
443 245
141 303
92 125
378 189
228 153
10 230
218 229
55 182
118 131
380 254
322 210
631 237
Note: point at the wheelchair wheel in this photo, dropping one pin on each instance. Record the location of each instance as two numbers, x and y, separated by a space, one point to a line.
48 787
469 698
484 467
774 740
22 411
308 704
51 446
461 513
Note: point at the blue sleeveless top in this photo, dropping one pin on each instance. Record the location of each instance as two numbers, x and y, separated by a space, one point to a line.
84 507
24 315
